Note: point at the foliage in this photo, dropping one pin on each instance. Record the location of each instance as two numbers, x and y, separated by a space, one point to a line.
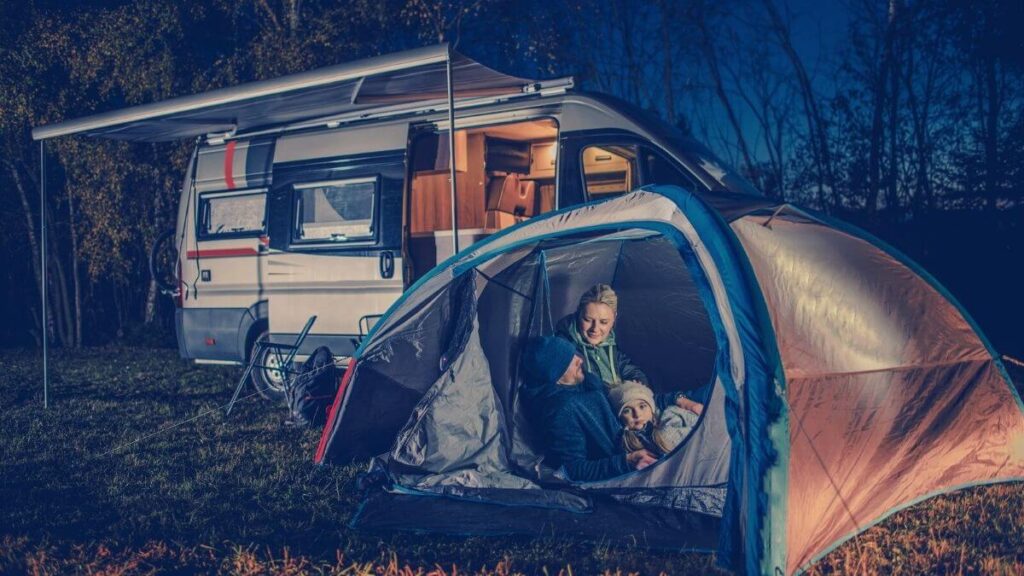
909 109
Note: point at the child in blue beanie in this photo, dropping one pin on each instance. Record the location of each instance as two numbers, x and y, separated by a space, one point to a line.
571 414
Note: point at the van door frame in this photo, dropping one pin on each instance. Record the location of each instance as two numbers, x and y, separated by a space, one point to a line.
440 127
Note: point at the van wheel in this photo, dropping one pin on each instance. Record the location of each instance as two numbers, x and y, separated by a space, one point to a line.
268 382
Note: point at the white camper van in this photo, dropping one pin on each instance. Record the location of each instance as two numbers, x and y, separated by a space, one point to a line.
328 193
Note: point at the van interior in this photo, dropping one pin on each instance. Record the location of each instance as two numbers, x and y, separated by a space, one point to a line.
505 174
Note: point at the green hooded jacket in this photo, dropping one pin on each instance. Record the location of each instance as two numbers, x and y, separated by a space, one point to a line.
605 359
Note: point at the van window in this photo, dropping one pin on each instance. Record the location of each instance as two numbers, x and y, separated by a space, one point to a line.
609 170
233 213
336 211
658 170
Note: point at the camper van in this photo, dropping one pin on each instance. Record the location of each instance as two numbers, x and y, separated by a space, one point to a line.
329 193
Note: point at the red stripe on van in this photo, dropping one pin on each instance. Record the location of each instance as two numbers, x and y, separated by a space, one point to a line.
229 161
222 253
338 399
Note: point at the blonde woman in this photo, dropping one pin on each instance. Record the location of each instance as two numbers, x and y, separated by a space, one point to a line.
592 330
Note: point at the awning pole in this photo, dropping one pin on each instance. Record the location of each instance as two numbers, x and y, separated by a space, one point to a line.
451 152
42 256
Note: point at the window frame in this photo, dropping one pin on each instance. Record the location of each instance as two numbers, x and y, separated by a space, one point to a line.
203 207
643 146
637 173
361 241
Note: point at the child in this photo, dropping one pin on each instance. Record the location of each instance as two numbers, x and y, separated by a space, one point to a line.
644 428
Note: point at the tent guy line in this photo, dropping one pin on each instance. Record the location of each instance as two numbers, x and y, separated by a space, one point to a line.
1013 361
311 373
173 426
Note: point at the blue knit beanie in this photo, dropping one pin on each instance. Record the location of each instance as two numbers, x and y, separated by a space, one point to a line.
545 359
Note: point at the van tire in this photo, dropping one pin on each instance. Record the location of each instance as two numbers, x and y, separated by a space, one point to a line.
267 382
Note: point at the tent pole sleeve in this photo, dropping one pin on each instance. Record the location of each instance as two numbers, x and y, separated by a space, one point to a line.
42 259
451 150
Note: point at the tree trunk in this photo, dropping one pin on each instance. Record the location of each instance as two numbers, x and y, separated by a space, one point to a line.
877 114
815 124
666 68
30 228
991 122
921 200
623 14
59 288
77 332
891 192
711 57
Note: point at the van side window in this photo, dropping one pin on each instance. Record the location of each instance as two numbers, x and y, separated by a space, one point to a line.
233 213
609 170
658 170
336 211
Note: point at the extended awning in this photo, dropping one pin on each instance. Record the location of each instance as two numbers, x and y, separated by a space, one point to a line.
431 74
408 77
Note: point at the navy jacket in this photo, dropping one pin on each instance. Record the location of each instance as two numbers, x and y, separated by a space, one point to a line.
577 428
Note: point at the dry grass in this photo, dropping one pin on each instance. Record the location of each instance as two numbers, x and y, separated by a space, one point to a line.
241 495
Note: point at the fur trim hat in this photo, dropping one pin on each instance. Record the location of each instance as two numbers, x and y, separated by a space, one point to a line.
629 391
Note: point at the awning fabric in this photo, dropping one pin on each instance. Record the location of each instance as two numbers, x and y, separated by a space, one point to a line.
406 77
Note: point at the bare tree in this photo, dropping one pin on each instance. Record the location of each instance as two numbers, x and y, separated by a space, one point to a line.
817 131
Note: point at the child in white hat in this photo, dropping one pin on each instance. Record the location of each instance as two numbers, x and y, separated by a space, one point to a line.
644 427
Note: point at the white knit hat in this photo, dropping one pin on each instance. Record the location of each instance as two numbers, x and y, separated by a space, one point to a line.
627 392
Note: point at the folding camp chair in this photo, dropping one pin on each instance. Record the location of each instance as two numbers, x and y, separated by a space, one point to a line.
284 354
365 325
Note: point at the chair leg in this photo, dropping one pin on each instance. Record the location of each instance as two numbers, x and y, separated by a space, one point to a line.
256 353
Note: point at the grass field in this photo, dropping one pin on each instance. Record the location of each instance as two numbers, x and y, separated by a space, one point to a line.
85 487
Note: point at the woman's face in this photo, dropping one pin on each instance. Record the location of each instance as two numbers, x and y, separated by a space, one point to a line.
596 321
636 414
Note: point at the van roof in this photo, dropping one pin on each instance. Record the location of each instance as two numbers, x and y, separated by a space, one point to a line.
409 77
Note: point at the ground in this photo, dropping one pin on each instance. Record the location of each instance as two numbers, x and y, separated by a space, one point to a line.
102 483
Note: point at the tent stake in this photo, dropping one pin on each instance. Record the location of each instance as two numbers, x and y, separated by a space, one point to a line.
42 251
451 150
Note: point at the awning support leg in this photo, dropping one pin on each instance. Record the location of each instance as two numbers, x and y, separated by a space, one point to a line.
451 151
42 261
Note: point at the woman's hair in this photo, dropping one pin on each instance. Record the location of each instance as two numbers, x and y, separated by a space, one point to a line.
599 294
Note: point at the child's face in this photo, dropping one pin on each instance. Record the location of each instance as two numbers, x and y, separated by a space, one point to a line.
636 414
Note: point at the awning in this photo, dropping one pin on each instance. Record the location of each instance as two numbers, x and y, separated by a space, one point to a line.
401 78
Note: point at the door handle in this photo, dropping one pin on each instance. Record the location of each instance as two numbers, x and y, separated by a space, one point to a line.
387 264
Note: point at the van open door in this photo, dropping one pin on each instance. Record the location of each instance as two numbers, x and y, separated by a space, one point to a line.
505 174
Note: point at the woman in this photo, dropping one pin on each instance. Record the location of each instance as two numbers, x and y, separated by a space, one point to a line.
592 330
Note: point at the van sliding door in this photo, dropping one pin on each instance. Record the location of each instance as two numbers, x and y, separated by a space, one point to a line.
335 234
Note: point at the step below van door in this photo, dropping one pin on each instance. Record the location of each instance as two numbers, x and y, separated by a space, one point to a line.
335 236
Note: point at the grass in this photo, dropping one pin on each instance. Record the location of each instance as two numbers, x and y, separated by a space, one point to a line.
80 492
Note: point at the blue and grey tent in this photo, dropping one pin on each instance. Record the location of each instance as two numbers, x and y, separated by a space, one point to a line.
843 383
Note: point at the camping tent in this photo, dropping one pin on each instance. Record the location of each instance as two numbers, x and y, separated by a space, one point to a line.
844 383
